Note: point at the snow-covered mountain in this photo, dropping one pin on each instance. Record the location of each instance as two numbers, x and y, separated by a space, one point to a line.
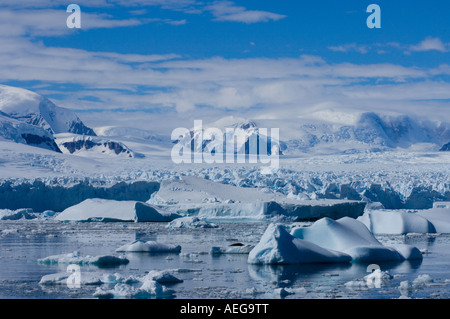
29 118
34 109
19 132
367 131
84 145
242 130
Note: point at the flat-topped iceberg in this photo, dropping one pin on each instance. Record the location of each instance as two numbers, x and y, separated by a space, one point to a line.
195 196
111 210
277 246
150 247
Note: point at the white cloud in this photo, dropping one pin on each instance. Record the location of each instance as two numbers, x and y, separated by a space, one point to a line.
257 87
430 44
363 49
228 11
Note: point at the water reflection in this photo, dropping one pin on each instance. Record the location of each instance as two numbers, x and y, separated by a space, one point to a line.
289 275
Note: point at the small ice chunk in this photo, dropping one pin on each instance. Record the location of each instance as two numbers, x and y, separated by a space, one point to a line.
421 281
232 249
149 246
190 222
149 288
24 213
162 277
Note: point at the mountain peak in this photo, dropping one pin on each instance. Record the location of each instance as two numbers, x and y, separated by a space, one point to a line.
34 109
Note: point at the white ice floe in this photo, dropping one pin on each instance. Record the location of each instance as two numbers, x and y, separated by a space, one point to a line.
403 222
236 248
111 210
277 246
190 222
352 237
149 246
77 258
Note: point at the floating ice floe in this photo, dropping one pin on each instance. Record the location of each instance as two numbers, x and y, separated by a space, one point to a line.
407 288
376 279
149 289
190 222
61 278
76 258
277 246
152 286
149 246
403 222
352 237
236 248
111 210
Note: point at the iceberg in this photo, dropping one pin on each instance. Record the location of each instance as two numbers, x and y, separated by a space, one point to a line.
110 210
277 246
434 220
352 237
395 222
149 246
194 196
439 218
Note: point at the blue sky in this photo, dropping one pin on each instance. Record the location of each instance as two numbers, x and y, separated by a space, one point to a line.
143 60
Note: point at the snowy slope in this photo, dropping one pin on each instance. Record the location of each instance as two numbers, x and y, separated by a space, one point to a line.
34 109
19 132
